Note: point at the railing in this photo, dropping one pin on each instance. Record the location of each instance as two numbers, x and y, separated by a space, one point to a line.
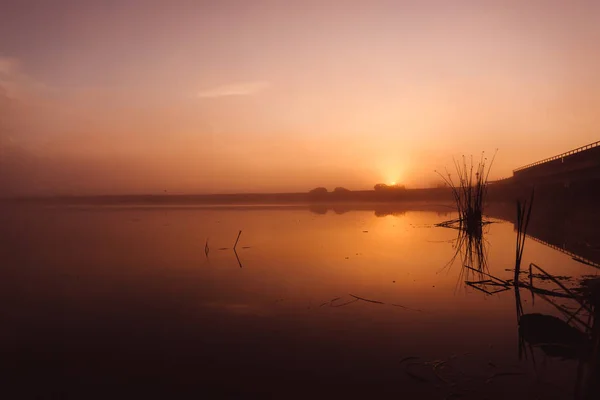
568 153
574 256
501 180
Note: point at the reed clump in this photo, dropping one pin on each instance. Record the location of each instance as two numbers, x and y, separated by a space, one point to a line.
469 191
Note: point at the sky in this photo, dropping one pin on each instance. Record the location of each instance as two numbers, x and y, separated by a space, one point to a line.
113 97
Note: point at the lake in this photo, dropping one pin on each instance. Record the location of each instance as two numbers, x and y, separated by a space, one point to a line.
316 301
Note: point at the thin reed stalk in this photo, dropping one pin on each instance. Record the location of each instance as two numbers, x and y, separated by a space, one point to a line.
237 240
523 215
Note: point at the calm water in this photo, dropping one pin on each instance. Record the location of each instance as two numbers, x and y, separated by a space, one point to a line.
123 301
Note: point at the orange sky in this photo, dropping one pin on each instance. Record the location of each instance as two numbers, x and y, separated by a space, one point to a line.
254 96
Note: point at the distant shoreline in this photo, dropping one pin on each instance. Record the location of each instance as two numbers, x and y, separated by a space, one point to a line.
362 196
576 194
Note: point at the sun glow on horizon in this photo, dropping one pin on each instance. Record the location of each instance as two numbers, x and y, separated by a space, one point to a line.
239 97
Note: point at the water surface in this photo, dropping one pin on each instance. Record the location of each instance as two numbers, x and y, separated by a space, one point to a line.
124 301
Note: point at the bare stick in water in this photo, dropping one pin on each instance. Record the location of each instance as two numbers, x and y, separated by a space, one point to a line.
370 301
237 258
343 304
236 240
206 248
503 282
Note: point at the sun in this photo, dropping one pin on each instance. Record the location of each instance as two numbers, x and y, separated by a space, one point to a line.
393 183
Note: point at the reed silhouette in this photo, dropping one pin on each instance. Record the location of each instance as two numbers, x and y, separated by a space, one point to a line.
574 335
469 193
470 247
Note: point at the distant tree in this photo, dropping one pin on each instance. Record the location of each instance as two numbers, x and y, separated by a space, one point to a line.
341 190
319 191
341 193
381 186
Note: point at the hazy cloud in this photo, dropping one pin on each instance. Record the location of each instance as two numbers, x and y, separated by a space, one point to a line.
15 84
8 65
235 89
12 80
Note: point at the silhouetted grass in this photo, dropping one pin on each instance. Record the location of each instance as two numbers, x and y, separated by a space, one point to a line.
469 192
523 215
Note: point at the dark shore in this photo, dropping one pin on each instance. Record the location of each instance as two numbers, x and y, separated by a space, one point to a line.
576 194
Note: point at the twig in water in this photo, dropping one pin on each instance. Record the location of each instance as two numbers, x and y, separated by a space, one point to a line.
407 308
363 299
478 288
501 281
206 248
563 287
330 302
236 240
346 303
237 258
565 312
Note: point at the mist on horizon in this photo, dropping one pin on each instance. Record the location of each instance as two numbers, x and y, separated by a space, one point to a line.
266 96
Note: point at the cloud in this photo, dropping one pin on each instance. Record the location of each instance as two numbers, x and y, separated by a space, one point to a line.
15 84
8 65
235 89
